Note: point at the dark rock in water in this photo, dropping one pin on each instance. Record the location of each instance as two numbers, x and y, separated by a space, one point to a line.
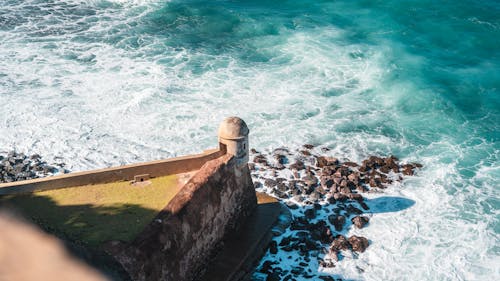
310 213
360 221
364 206
321 232
358 243
273 276
327 278
353 210
308 146
273 247
338 221
267 266
408 170
291 205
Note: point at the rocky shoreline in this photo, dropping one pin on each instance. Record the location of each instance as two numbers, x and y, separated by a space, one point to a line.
15 166
325 197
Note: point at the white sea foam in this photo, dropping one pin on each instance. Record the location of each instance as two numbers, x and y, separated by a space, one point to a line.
98 92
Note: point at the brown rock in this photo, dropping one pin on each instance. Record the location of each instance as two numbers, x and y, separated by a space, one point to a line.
298 165
356 196
358 243
345 190
339 196
360 221
323 161
339 243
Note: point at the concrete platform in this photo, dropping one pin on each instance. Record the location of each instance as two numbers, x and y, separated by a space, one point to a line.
243 249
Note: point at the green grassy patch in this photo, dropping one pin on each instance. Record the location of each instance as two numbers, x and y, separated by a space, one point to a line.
93 214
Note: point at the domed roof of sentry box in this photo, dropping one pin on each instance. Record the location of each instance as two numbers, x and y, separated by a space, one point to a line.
233 128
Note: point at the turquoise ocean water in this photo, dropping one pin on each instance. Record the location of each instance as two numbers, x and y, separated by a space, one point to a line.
103 83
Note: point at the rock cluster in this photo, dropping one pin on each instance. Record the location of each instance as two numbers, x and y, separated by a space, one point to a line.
325 197
18 166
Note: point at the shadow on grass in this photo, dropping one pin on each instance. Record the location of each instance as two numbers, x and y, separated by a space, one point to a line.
84 228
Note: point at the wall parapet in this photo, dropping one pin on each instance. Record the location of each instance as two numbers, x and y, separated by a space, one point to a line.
121 173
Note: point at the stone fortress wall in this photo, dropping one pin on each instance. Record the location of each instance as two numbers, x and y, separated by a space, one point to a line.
179 242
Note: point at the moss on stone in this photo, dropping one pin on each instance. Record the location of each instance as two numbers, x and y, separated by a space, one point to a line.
93 214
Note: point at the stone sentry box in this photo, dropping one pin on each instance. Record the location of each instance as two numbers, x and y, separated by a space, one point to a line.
233 134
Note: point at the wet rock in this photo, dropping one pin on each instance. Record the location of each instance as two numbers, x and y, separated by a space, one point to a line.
337 221
364 206
273 276
270 183
310 213
260 159
267 266
358 243
308 146
18 166
305 152
350 164
350 209
273 247
360 221
298 165
355 196
291 205
310 180
340 197
322 161
339 243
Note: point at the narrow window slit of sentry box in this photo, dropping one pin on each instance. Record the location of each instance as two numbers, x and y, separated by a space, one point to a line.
141 180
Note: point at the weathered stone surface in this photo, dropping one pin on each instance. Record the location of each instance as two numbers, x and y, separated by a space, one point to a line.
360 221
358 243
179 241
339 243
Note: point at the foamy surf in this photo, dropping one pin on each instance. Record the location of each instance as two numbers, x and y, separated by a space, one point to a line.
102 83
